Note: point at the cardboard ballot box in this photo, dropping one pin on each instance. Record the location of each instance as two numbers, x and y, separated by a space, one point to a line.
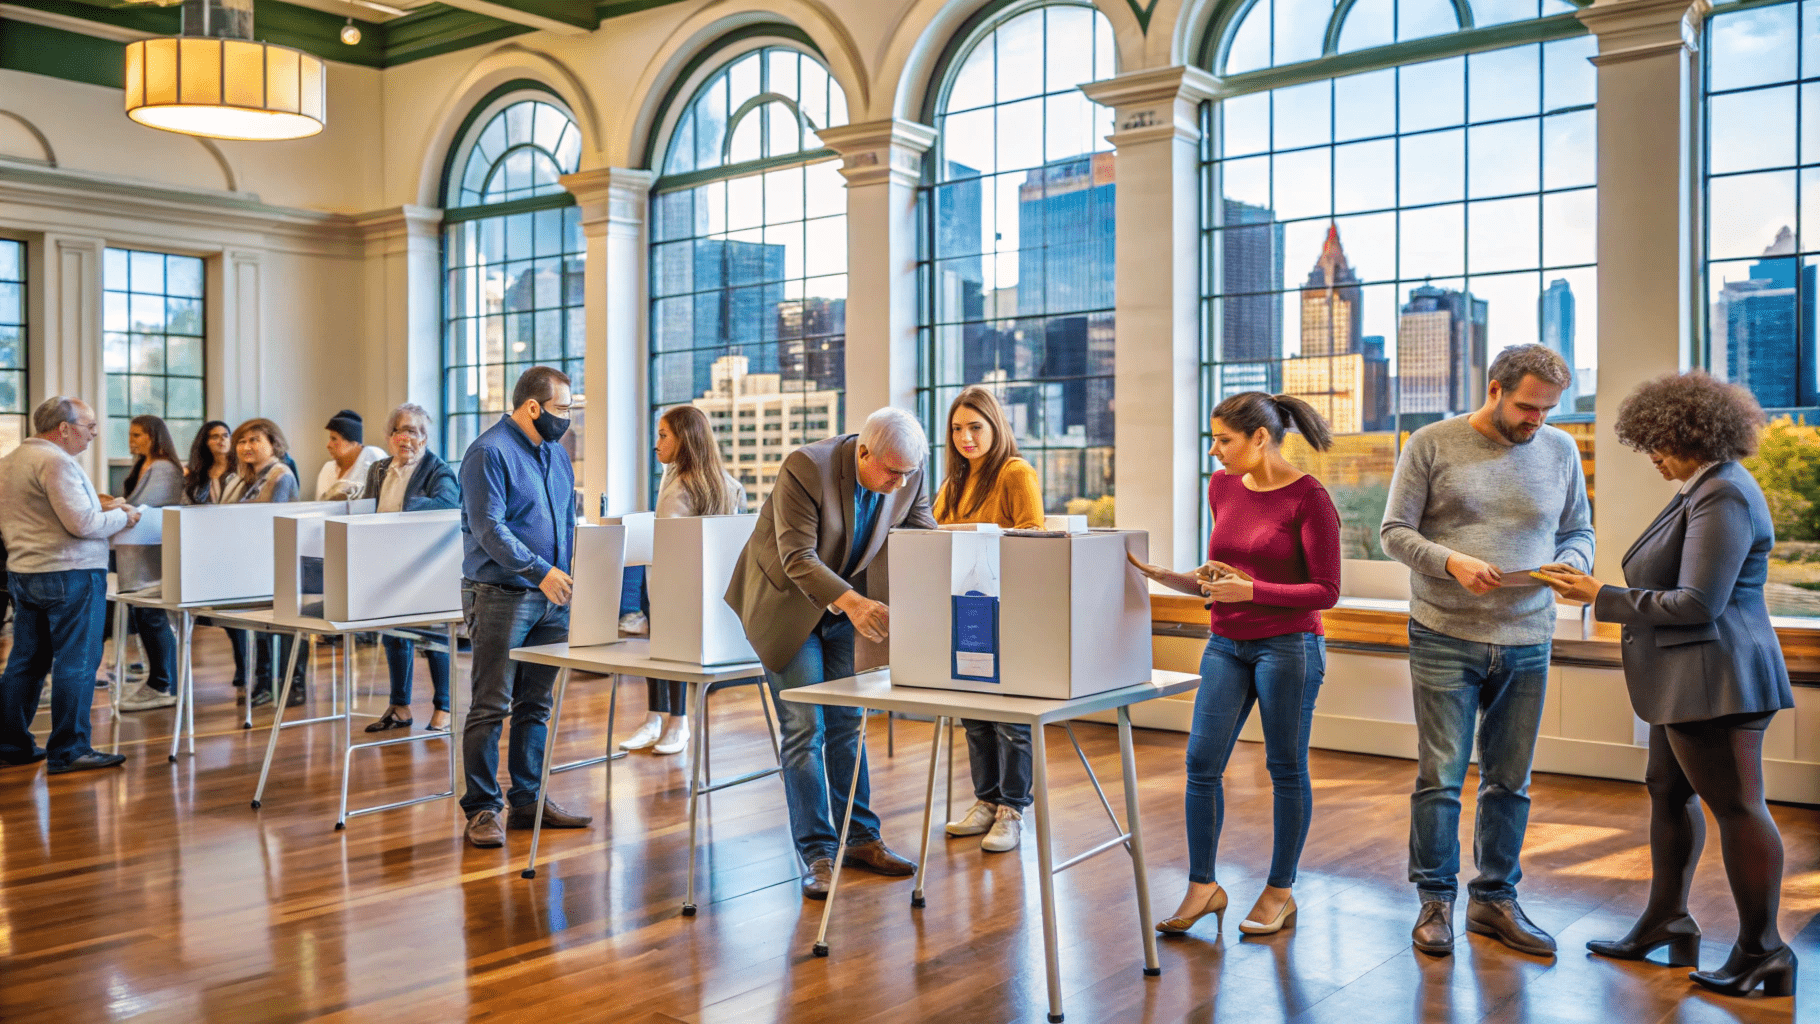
225 552
391 564
691 565
599 571
1028 616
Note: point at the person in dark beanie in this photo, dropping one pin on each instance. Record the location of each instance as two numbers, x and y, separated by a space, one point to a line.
344 476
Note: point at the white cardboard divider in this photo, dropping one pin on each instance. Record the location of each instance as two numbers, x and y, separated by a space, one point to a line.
690 619
599 571
294 538
138 563
225 552
1065 524
1073 615
391 564
639 526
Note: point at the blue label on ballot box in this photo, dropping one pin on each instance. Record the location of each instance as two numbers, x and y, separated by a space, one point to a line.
976 637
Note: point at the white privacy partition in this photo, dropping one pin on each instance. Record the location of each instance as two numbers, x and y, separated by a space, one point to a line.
391 564
599 573
225 552
1029 616
692 563
639 535
297 567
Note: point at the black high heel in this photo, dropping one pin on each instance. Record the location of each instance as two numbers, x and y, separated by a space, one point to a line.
389 720
1743 972
1681 935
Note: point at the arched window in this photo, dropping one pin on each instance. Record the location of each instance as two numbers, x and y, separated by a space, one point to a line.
1762 167
513 251
1383 217
749 261
1017 243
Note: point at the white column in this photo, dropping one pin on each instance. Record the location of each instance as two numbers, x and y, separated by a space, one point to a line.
1648 297
882 162
1158 369
65 355
613 202
403 355
235 344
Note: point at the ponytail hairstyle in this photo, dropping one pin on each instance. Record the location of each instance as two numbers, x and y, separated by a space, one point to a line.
697 466
1250 411
957 472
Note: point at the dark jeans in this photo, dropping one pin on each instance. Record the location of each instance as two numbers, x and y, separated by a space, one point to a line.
666 697
998 753
154 629
498 620
58 618
1460 683
263 672
818 747
400 660
1281 675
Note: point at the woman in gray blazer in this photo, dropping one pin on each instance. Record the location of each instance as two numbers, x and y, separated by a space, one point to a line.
1704 670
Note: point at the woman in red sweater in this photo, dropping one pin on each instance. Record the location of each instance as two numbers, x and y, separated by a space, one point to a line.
1274 563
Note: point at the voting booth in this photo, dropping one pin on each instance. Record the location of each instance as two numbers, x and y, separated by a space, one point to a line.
1023 615
391 565
297 564
138 552
225 552
692 563
598 569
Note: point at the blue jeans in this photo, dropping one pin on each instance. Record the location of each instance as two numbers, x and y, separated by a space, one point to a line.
998 754
498 620
1460 683
400 661
818 747
1282 675
58 621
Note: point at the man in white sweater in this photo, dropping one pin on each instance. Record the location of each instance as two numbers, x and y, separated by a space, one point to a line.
56 531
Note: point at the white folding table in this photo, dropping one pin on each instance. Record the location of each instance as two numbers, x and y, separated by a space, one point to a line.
187 612
633 658
267 620
872 691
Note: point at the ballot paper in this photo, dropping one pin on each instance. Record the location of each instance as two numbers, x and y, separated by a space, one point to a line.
976 605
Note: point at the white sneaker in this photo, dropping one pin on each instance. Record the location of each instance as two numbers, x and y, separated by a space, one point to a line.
634 624
646 735
143 698
978 819
676 740
1006 830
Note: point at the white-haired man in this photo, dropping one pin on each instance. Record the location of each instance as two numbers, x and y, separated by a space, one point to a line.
800 589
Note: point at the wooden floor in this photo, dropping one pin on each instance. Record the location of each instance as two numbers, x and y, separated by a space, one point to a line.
157 894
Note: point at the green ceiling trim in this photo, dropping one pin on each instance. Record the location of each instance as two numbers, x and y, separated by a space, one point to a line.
42 50
437 29
570 12
614 8
1143 13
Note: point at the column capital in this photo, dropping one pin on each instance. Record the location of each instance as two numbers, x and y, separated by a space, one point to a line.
1637 29
879 151
610 195
399 228
1157 103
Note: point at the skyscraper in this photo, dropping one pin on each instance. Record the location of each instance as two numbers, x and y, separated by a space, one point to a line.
1764 330
1331 303
1251 279
1441 351
1555 310
1333 373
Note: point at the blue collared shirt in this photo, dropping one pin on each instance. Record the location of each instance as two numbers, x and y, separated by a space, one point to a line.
517 508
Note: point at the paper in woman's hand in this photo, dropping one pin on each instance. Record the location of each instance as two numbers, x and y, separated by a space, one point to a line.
1179 581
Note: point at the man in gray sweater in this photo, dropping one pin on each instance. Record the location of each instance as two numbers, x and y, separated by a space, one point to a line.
56 531
1478 501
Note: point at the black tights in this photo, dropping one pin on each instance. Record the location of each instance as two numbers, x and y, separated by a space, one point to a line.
1720 762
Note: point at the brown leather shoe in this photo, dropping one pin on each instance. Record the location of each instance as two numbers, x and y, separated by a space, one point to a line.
1433 932
876 856
554 816
815 883
1505 921
484 830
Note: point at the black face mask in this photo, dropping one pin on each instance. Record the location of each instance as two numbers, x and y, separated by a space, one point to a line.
549 427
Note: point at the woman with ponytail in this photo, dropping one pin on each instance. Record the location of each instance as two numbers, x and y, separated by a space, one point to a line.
1273 564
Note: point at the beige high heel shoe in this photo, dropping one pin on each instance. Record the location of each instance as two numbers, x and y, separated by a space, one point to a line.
1216 905
1284 919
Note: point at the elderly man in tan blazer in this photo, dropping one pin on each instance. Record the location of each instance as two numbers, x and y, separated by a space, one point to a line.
801 588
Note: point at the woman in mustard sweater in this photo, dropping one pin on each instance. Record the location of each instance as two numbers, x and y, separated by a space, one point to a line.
986 482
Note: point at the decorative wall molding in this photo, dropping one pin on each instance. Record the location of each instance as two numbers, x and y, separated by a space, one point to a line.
1161 103
876 151
610 197
1638 29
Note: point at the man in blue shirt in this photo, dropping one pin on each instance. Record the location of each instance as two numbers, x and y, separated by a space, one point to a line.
518 535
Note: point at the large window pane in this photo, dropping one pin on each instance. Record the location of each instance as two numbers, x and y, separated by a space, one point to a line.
153 351
14 403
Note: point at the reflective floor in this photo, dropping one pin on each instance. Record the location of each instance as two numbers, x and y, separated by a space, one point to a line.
155 893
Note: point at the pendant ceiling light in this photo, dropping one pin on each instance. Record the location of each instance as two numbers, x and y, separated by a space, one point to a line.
215 80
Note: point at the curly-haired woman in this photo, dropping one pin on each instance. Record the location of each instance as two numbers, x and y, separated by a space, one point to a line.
1704 670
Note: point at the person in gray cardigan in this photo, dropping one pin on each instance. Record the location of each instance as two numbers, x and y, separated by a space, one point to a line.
1477 501
156 480
56 528
1705 670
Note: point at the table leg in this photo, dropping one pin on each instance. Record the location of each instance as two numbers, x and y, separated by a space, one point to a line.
840 849
549 758
764 702
1045 860
948 807
1128 758
247 642
698 713
188 622
613 681
455 729
116 684
935 760
186 697
271 745
347 722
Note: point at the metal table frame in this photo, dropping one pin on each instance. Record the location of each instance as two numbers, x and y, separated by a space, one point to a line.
633 658
873 691
266 619
187 614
